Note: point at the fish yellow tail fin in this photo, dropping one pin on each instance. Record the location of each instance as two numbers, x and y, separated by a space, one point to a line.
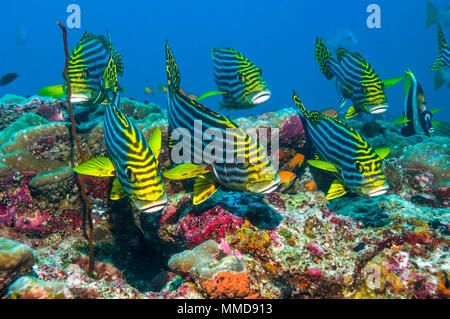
432 14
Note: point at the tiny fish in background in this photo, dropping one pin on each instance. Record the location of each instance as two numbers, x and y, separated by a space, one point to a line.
239 78
434 15
21 35
297 161
330 113
8 78
286 180
442 64
344 39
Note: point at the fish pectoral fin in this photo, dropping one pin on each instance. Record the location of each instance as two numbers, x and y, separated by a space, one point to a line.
204 188
383 152
326 166
155 142
185 171
207 94
351 112
401 120
437 110
55 91
99 166
390 82
337 189
117 191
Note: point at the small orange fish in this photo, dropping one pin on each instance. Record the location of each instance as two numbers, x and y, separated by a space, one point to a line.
330 113
297 161
192 96
287 179
148 90
311 185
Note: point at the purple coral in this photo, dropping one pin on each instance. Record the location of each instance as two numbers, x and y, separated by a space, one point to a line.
292 129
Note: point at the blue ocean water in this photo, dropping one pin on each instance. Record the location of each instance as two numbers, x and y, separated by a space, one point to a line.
277 36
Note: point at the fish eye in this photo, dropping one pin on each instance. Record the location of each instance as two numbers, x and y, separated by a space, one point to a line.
359 167
129 174
241 163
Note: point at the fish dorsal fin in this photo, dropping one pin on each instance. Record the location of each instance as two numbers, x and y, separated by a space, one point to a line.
173 73
110 76
117 191
87 36
185 171
351 112
337 189
155 142
204 188
300 105
383 152
439 63
326 166
323 56
99 166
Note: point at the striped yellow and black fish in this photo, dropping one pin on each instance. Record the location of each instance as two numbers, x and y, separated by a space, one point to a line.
239 78
442 64
91 67
356 80
132 160
345 153
416 118
240 162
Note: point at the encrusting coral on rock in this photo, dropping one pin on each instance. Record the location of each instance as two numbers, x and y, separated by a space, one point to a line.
294 244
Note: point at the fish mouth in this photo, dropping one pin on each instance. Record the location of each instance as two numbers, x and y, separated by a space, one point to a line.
78 98
151 207
377 109
272 186
377 191
261 97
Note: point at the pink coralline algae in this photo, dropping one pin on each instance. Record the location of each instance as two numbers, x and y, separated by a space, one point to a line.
314 272
52 112
292 130
315 249
215 223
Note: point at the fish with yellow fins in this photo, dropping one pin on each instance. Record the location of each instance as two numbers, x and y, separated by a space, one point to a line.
342 151
132 161
92 67
243 163
239 78
356 80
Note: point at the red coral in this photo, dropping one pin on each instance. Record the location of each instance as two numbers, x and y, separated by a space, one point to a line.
215 223
315 249
314 272
231 285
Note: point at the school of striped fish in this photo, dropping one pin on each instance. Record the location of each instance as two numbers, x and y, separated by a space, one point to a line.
243 163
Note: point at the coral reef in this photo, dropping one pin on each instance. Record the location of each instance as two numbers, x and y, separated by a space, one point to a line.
293 244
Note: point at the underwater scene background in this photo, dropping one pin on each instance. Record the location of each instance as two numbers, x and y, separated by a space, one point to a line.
349 198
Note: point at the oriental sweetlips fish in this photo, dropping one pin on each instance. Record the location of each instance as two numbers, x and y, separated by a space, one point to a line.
239 78
91 65
442 64
239 162
416 117
132 160
355 78
344 152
